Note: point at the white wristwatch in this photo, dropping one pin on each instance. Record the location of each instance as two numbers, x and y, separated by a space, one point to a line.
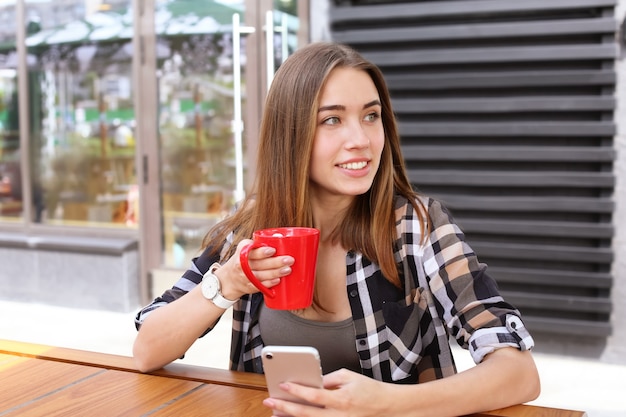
211 289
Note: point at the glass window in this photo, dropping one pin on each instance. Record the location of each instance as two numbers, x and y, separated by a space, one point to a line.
199 162
194 52
82 134
11 207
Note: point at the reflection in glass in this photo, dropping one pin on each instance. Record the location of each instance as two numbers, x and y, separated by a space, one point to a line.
82 139
194 50
11 207
196 103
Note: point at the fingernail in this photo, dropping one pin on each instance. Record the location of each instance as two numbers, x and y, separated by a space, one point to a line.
285 271
269 251
288 260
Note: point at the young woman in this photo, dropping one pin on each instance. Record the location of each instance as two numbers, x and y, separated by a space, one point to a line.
394 276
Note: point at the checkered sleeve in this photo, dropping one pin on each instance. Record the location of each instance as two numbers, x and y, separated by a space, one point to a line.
192 277
467 298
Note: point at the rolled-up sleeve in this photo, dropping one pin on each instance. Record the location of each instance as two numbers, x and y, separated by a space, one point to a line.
513 334
468 299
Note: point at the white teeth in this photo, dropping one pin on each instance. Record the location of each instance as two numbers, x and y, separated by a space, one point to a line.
353 165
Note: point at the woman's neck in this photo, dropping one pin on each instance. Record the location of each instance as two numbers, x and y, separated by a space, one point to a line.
328 214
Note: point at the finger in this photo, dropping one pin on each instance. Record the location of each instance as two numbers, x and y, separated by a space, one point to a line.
315 396
293 409
243 243
257 253
272 267
269 283
262 253
335 379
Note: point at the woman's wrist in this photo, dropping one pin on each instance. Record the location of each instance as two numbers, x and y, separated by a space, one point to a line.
226 289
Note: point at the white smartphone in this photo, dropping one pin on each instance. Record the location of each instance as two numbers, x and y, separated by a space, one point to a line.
299 364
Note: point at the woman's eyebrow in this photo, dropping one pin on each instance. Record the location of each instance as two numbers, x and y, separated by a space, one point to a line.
341 107
331 107
372 103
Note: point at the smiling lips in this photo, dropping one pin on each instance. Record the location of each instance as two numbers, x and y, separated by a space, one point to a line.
353 165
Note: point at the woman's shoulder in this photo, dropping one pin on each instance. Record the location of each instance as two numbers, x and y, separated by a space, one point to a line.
422 201
432 209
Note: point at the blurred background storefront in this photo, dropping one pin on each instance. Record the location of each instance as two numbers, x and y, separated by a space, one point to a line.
125 139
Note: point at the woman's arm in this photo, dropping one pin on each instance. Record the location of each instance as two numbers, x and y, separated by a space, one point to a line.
506 377
168 331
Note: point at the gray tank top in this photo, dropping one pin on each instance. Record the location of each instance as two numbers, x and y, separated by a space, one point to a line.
335 341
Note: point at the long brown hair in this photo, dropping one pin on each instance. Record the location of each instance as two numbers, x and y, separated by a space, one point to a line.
280 194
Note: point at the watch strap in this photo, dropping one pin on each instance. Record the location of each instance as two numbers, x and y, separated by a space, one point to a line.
222 302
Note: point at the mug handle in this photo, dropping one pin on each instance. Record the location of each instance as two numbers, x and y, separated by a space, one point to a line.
243 259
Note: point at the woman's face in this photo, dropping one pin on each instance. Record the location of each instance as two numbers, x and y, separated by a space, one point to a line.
349 136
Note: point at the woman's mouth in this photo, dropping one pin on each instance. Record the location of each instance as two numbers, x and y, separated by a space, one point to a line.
353 165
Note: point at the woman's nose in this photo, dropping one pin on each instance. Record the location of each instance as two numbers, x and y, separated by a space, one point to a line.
358 137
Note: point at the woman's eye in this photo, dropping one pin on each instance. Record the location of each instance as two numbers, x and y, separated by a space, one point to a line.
372 117
331 121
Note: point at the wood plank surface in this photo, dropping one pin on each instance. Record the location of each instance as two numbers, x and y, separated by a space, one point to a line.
125 363
25 381
109 393
217 401
40 380
7 361
524 411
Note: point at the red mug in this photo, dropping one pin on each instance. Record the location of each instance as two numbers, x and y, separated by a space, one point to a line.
295 291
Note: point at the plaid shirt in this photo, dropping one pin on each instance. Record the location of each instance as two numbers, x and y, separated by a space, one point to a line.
401 335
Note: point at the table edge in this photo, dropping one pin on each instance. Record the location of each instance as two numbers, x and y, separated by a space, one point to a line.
126 363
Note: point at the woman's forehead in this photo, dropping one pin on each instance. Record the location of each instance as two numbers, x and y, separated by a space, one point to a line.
348 86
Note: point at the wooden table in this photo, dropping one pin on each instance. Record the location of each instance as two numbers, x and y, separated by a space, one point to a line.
39 380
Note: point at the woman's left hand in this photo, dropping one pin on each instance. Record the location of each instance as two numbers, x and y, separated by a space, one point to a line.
346 393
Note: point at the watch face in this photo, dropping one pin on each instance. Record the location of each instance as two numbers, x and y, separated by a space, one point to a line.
210 286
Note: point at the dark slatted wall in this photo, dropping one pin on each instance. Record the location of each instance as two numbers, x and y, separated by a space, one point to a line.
506 114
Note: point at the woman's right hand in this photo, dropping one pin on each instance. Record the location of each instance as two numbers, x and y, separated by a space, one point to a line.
268 269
